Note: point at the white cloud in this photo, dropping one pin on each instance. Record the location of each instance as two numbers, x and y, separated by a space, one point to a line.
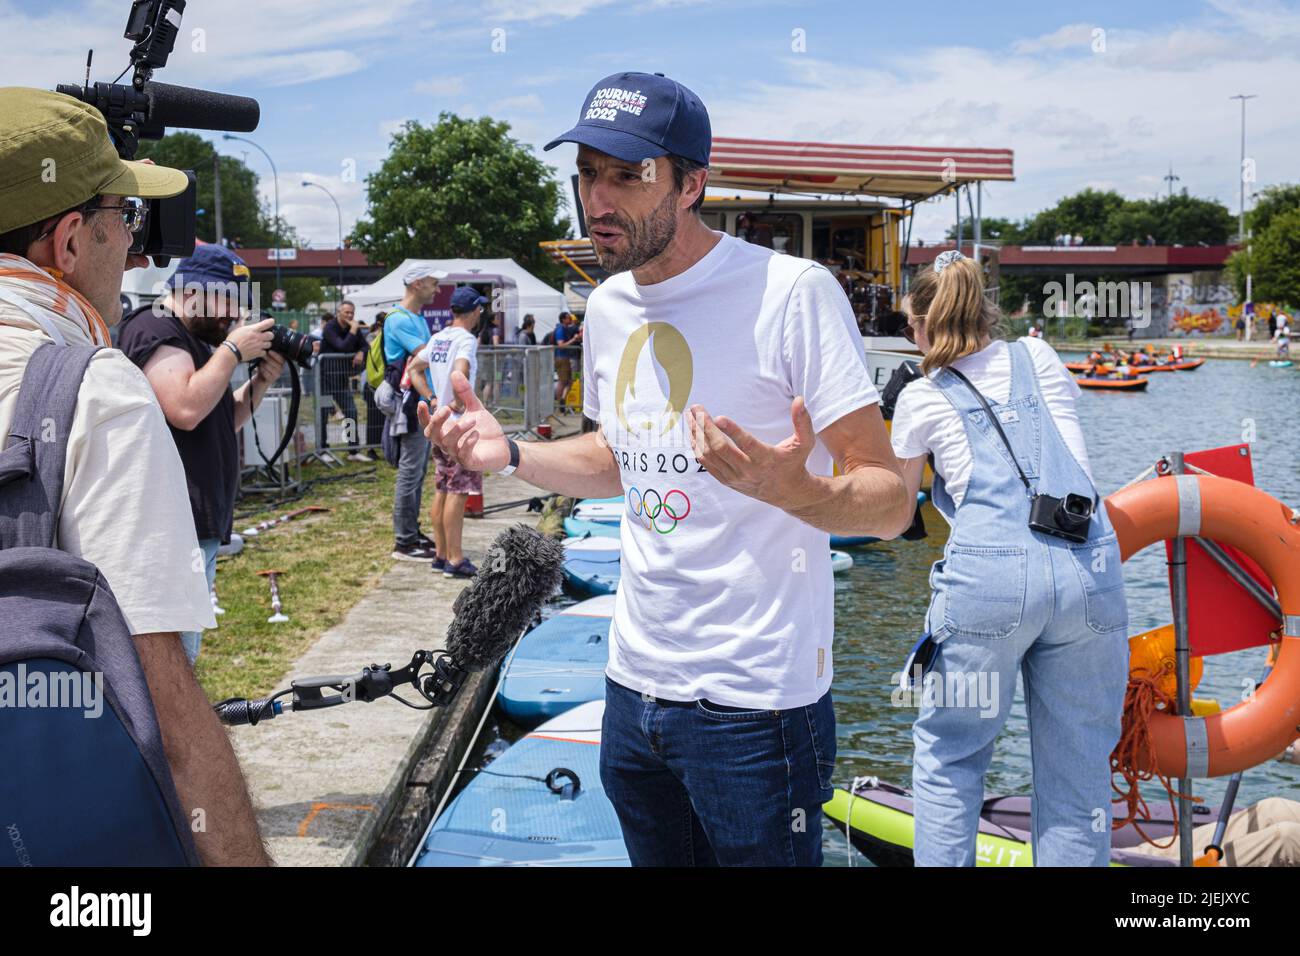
506 11
1074 36
276 43
1112 120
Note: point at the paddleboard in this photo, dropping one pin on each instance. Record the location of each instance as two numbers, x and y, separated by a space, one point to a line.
508 816
559 664
591 564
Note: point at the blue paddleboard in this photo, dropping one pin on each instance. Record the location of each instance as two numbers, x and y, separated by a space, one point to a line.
559 664
509 817
577 528
591 564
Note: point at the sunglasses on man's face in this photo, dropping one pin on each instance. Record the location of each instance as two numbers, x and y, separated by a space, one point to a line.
133 211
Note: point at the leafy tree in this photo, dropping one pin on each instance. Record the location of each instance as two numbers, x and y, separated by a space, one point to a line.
1173 220
992 229
302 291
242 214
1273 200
1087 214
1272 260
461 189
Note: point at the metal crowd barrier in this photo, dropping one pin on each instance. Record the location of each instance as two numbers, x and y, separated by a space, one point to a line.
338 417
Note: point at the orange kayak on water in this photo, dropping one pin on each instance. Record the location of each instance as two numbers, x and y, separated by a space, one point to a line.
1128 384
1186 365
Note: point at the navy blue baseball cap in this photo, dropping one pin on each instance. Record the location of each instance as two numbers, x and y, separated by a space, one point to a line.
632 116
466 299
212 264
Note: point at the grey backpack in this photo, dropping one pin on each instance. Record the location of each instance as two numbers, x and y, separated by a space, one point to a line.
85 780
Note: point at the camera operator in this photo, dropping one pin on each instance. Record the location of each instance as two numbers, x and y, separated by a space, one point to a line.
189 343
65 242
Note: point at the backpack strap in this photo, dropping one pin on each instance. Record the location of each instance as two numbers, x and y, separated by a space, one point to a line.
32 462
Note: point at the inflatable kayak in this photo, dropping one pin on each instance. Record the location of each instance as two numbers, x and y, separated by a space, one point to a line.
1185 365
840 562
540 804
559 664
881 818
1130 384
591 564
1280 363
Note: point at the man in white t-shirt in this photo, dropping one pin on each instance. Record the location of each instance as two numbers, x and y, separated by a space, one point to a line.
725 379
453 349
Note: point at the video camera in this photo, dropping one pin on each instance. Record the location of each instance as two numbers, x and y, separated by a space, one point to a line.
144 110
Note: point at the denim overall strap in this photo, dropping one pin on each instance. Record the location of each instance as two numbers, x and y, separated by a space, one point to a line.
994 485
1062 473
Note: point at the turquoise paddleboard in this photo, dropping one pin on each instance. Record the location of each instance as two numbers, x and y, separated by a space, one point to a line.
559 664
591 564
511 815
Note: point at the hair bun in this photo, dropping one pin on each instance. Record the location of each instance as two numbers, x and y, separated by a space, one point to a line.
944 259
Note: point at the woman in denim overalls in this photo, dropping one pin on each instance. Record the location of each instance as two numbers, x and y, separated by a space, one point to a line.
1008 598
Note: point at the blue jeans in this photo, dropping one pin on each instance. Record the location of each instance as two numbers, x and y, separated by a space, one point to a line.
411 468
192 639
699 784
1072 654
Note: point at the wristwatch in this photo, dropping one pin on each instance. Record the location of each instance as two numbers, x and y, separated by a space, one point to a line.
514 457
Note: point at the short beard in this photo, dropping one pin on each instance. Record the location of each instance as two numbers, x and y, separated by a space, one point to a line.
202 326
207 329
645 239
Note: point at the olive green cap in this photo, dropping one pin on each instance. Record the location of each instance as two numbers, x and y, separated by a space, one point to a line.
55 154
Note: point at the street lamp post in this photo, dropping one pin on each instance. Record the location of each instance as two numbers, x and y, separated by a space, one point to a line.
339 291
275 183
1241 171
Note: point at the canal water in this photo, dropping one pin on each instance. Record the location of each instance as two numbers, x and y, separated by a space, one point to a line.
880 603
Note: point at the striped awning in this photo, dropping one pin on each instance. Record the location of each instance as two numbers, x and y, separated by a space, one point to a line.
905 172
577 251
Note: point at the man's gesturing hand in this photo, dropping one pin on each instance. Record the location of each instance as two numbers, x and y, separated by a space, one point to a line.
776 474
475 439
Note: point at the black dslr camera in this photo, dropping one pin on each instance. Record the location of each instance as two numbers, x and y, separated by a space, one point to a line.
1066 517
144 110
292 345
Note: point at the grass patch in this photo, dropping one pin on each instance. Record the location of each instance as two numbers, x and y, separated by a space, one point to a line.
330 561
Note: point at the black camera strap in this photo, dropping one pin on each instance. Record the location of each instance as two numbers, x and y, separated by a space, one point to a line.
996 424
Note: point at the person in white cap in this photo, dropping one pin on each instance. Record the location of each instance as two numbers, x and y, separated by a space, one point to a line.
405 333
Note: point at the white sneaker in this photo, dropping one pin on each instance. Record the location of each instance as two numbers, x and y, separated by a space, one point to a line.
357 456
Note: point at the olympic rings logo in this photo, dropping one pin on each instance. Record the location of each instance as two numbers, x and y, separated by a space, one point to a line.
671 510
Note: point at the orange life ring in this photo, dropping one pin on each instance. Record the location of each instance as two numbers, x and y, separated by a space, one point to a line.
1229 512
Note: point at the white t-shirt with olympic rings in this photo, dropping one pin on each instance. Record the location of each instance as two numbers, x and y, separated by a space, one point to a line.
721 596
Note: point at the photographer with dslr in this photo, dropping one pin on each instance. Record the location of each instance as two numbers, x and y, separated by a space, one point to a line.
1030 581
64 246
345 346
188 344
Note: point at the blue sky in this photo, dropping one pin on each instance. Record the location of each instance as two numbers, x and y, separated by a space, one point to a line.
1087 94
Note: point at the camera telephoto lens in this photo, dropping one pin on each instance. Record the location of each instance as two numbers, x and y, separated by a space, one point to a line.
292 345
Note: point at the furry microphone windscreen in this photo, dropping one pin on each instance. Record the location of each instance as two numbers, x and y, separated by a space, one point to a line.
521 570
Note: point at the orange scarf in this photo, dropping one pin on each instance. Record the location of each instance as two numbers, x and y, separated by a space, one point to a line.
46 289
